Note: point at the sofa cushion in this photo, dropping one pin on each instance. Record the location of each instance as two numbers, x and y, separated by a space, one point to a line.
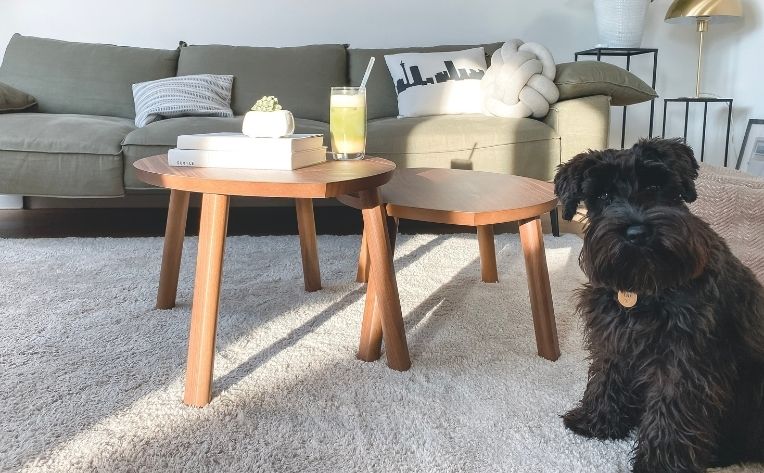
14 100
381 99
62 155
158 137
54 133
437 134
587 78
166 132
200 95
299 76
82 78
438 83
519 146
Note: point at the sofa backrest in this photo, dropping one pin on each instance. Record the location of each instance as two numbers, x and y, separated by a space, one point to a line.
299 76
82 78
381 99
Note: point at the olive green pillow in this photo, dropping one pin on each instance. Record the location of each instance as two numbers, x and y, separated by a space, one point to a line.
14 100
585 78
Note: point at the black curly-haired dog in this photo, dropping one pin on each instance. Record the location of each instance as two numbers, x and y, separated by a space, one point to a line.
674 323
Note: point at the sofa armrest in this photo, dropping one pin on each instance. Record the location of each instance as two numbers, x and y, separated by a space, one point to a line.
582 124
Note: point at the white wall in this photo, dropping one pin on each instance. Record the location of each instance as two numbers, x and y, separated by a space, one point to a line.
733 50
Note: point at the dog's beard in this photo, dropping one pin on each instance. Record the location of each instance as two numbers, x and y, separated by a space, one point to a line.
675 252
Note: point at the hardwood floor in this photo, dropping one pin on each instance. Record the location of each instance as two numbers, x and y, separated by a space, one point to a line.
142 222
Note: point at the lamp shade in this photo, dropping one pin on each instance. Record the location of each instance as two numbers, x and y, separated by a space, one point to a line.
716 11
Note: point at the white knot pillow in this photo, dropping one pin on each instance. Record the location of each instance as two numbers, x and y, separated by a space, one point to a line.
520 81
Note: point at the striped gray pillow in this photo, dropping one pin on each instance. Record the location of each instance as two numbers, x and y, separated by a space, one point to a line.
200 95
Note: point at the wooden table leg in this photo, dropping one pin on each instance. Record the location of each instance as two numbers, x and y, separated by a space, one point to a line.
487 253
306 225
383 305
554 219
204 312
532 240
370 346
392 232
362 275
173 249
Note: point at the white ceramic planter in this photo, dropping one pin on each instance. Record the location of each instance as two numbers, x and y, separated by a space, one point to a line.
620 23
268 124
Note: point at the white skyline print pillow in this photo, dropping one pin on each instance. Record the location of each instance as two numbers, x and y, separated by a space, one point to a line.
444 83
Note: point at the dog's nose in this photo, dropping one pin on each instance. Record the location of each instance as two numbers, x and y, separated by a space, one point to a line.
637 233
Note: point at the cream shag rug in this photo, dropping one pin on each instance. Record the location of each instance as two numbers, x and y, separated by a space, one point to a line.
92 374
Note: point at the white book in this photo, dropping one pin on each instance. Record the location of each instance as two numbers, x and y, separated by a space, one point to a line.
241 142
245 160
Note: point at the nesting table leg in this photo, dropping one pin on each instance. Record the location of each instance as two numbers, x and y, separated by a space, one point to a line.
554 218
487 253
391 226
173 249
306 226
532 240
370 346
383 306
204 311
362 275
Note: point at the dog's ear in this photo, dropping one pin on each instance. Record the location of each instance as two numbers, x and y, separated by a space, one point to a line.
570 175
677 156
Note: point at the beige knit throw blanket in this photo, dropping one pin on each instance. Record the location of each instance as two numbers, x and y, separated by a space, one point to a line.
732 202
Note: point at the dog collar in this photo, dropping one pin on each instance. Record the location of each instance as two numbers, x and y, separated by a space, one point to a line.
627 299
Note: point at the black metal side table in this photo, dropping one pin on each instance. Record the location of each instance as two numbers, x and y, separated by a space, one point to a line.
705 101
627 53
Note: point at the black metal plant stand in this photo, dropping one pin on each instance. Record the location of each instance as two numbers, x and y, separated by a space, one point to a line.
599 53
705 101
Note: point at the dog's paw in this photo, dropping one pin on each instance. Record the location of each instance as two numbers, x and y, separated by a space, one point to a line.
584 423
577 421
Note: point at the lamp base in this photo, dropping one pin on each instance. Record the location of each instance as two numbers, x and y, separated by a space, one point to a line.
702 28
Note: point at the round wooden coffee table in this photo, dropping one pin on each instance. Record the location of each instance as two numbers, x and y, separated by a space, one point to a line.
326 180
478 199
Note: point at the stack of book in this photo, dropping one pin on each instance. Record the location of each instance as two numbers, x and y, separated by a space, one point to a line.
236 150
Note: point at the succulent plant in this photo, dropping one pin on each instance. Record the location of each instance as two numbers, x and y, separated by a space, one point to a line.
268 103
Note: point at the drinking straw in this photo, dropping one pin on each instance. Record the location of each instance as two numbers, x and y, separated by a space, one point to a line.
367 73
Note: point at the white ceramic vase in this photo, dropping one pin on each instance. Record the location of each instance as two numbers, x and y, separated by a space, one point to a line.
620 23
268 124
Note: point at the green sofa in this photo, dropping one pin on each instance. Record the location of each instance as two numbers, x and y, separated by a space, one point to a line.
81 142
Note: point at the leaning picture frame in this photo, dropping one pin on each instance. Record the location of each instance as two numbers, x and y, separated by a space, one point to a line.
751 158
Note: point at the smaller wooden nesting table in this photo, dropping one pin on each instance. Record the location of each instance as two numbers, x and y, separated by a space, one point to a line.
326 180
477 199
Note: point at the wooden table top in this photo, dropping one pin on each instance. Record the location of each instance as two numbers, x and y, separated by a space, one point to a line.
329 179
464 197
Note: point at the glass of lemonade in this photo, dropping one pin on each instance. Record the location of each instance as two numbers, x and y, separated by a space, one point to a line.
347 122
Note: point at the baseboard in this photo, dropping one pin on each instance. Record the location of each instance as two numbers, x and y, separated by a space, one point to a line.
8 202
155 200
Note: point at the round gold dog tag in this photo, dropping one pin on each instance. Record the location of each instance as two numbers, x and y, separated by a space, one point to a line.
627 299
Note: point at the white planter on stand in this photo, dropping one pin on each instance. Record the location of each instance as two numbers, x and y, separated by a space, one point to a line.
620 23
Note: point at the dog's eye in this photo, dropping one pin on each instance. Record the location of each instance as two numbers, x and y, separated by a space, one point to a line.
604 196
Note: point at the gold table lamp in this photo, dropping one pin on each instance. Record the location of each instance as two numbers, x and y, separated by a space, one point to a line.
703 12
